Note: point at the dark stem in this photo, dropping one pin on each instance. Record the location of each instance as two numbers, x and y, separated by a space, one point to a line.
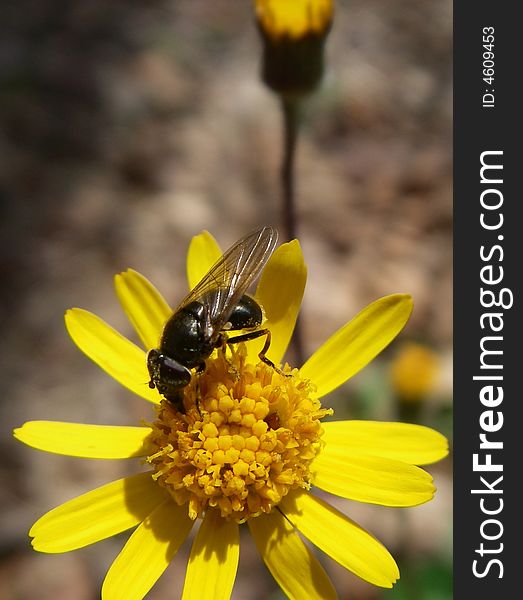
291 116
291 122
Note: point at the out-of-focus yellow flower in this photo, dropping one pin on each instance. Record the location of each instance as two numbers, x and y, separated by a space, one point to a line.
414 371
293 33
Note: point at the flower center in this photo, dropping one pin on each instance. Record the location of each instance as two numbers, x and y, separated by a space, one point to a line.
246 440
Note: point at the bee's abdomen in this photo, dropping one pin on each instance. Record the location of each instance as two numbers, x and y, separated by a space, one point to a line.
247 314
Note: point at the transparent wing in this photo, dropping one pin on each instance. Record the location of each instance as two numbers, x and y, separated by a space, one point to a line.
229 278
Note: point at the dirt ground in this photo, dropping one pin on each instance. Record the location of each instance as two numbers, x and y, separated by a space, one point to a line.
127 128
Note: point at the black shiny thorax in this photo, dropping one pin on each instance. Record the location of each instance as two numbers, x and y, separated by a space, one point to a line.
185 338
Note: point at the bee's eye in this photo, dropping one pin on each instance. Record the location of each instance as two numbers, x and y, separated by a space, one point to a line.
170 366
172 373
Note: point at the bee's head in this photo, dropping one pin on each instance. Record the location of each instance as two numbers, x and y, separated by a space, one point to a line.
167 375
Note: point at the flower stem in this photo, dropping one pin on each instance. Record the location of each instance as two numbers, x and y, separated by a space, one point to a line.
291 122
291 118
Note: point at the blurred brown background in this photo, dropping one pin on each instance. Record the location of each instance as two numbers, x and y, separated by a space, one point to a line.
127 128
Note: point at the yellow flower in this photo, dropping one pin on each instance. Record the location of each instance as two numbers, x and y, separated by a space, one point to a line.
250 448
293 34
413 372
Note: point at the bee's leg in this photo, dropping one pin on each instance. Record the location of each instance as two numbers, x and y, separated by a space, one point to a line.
222 344
262 354
200 367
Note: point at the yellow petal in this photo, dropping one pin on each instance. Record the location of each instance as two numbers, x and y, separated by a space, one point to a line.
144 306
214 559
85 441
295 568
414 444
357 343
97 515
376 480
112 352
294 19
202 254
147 553
341 538
280 293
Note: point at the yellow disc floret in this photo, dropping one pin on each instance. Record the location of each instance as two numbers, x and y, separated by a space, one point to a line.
246 440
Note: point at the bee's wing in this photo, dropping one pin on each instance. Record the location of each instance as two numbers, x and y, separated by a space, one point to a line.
229 278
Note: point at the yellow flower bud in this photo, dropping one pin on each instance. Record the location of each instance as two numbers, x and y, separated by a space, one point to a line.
293 34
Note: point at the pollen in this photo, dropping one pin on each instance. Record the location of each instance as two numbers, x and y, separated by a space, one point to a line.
247 438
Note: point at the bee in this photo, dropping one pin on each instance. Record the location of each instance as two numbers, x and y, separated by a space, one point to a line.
218 304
